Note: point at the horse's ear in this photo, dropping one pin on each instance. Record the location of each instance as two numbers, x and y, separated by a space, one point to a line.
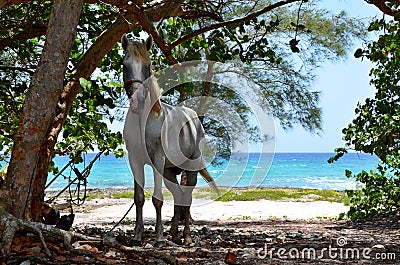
124 41
149 42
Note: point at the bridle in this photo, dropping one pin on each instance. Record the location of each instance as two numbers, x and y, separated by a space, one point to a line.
128 83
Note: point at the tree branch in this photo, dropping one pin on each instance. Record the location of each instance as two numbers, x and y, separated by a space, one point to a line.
33 32
117 3
230 22
149 28
382 5
16 68
6 134
156 12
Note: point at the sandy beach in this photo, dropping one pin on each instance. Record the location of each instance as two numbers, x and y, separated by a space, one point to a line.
101 211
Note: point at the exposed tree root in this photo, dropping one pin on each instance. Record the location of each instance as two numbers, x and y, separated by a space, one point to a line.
9 225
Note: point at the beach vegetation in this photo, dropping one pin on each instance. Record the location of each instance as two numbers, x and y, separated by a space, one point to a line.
92 196
240 194
299 195
123 195
128 195
376 128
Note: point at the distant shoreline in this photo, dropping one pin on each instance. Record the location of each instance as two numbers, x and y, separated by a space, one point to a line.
227 194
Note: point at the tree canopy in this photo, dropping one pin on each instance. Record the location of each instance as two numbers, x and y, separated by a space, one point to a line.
257 37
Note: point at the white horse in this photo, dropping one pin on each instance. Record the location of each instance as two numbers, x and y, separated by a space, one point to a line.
165 137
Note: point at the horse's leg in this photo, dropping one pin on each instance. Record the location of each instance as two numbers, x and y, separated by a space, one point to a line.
138 173
173 186
191 181
158 203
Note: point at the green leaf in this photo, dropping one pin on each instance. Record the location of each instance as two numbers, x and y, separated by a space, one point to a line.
84 83
358 53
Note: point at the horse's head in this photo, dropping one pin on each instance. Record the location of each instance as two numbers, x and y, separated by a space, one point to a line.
136 71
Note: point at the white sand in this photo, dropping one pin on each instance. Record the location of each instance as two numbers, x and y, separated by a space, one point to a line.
215 211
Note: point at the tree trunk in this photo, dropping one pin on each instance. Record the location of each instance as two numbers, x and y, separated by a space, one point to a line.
40 104
84 69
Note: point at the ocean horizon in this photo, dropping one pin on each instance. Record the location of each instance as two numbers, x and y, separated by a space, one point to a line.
266 170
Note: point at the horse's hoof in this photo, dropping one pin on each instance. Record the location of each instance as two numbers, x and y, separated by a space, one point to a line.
187 241
160 244
177 241
136 243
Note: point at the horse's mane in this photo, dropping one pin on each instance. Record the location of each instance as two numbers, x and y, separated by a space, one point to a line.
137 49
155 95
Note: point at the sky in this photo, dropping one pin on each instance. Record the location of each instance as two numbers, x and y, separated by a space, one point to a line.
343 84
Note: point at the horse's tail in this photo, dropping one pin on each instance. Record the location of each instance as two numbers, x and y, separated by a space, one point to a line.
204 173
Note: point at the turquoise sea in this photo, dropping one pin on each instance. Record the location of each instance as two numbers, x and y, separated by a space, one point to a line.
294 170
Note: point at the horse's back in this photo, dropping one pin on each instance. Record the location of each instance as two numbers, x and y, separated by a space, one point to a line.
186 119
182 132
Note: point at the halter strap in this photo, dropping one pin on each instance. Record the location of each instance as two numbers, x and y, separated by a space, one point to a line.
128 83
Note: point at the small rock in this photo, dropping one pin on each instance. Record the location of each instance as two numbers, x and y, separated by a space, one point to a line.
292 235
75 244
110 239
26 262
201 244
36 250
240 252
148 245
315 235
206 231
281 238
171 244
216 242
110 254
230 258
379 247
